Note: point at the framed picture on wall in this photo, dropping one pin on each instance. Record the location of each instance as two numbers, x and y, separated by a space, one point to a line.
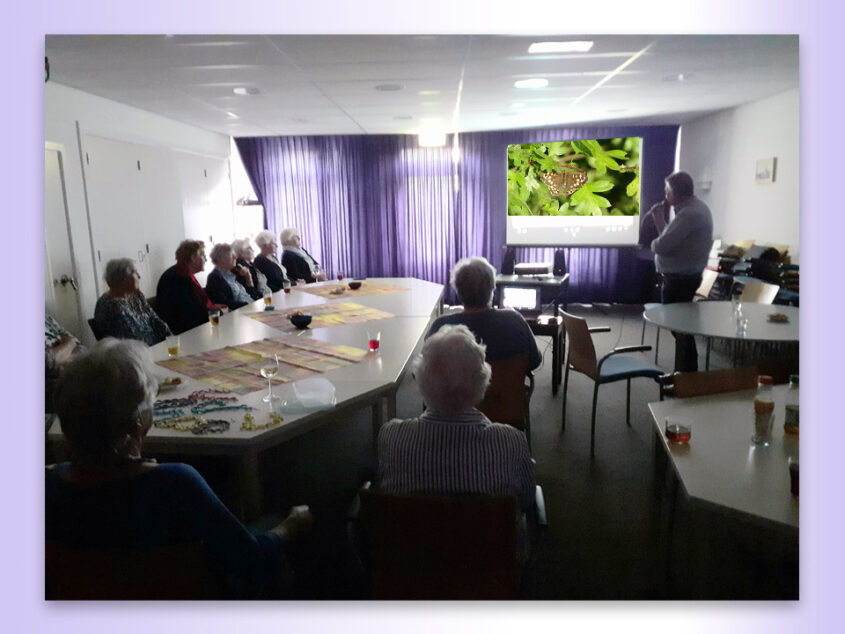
765 172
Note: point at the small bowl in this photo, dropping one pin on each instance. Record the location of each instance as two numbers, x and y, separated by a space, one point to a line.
300 321
354 285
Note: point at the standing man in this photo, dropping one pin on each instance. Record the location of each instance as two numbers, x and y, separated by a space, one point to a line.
680 253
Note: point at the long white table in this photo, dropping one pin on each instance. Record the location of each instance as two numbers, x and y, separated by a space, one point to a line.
720 466
368 383
715 319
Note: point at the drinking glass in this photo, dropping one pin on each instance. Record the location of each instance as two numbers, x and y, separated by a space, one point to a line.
677 429
268 371
268 298
286 286
214 317
173 346
340 276
373 340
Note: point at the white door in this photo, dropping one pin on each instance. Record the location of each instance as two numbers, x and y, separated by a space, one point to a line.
115 210
60 290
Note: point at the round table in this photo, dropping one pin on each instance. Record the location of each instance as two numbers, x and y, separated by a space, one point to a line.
716 320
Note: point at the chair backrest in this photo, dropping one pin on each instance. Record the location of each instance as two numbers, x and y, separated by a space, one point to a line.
440 547
708 278
95 328
582 352
507 397
759 292
174 572
688 384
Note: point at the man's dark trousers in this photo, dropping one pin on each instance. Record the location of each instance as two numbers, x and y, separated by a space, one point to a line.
674 289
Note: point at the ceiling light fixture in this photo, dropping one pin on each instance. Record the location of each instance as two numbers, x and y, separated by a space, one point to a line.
241 90
432 138
388 87
677 77
232 115
580 46
534 82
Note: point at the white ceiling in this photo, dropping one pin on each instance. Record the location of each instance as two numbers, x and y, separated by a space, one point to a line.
325 84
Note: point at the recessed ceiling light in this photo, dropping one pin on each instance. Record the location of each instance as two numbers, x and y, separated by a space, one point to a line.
581 46
403 117
232 115
426 93
388 87
678 77
534 82
241 90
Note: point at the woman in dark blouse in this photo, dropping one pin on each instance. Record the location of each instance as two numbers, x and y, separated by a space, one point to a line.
123 311
110 497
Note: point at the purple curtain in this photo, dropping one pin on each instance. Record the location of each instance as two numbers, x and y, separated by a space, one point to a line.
379 205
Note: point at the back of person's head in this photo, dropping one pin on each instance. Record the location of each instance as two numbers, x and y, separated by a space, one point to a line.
263 238
474 280
288 236
681 184
451 372
220 251
118 271
240 246
188 249
100 397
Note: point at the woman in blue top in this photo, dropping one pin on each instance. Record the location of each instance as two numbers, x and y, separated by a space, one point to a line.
110 497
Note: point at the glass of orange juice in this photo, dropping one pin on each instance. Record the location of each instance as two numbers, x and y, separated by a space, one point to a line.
268 298
173 346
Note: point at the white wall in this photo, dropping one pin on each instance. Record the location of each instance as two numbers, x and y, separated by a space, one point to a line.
724 147
64 107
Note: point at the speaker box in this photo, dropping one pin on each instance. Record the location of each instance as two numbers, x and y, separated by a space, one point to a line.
509 261
559 267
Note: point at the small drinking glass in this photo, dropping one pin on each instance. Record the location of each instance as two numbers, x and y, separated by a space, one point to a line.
374 340
214 317
173 346
340 276
678 430
286 286
268 298
741 326
268 371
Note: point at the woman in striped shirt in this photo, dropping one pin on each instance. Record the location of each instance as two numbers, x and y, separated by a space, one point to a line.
452 448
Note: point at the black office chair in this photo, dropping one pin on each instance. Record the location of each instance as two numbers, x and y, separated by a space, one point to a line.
95 328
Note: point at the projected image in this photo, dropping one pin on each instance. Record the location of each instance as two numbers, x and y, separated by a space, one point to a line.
594 177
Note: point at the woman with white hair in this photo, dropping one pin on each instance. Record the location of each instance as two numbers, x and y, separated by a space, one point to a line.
503 330
123 311
297 260
229 283
109 497
268 264
245 256
453 448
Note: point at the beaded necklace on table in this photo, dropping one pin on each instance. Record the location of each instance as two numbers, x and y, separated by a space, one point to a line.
170 413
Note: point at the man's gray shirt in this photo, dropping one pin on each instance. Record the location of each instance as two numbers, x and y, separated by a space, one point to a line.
684 245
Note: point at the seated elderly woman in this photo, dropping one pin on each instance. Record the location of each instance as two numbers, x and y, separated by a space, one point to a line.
503 330
229 283
267 263
123 311
244 258
297 260
109 497
60 348
180 300
452 447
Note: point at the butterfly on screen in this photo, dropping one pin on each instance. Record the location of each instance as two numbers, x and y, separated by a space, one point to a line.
566 182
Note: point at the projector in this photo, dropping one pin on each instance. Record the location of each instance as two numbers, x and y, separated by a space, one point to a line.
533 269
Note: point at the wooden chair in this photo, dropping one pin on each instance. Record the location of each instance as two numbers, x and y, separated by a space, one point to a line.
611 367
176 572
508 396
759 292
688 384
440 547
